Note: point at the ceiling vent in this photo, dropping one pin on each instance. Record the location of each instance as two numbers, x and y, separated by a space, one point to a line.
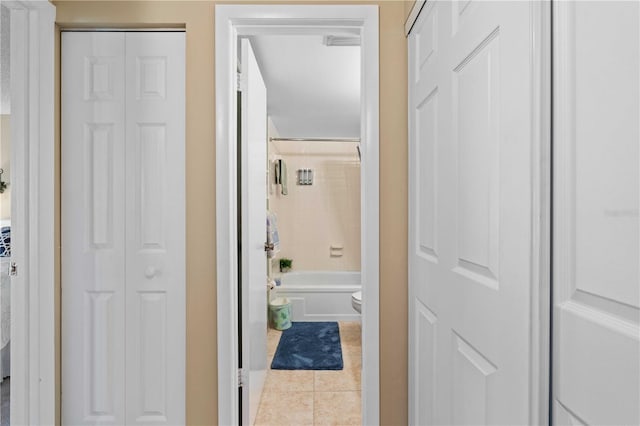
351 40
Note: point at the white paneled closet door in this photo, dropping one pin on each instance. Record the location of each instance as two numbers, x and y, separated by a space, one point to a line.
596 282
470 213
93 228
155 223
123 228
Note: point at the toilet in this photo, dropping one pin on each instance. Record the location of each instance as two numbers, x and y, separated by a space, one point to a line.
356 301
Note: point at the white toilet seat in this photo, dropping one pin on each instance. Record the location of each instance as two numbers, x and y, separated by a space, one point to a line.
356 301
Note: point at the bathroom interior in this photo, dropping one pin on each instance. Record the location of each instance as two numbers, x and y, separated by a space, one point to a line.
5 218
313 230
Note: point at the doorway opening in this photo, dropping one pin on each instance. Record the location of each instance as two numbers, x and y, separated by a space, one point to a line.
312 129
313 352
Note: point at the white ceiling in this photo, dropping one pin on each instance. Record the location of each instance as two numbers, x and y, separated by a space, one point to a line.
312 90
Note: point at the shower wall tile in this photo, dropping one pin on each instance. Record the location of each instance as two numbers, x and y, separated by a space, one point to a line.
312 218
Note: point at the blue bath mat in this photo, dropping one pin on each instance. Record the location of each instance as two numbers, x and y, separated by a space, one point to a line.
309 346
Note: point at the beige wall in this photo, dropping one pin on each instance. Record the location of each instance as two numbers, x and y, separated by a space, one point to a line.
198 18
314 218
5 165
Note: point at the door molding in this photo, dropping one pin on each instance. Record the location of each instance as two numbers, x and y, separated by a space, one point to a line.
541 227
240 20
33 389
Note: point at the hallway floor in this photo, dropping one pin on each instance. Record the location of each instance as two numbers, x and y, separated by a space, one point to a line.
304 397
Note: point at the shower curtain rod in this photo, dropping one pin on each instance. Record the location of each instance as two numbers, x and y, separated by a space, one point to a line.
316 139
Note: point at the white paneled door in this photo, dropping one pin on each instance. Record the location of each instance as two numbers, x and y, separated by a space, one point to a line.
596 313
470 207
93 228
253 160
123 228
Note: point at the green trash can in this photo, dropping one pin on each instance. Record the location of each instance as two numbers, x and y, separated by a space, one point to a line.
280 313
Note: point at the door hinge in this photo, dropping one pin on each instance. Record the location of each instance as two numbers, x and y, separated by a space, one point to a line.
240 377
240 82
13 269
269 246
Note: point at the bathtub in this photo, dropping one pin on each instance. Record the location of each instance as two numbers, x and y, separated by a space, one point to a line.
320 295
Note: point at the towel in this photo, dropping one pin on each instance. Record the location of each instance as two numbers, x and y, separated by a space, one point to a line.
283 177
272 234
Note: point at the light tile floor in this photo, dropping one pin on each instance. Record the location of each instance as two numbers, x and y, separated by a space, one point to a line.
304 397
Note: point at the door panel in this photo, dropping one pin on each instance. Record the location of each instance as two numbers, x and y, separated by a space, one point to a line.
596 336
470 207
253 157
93 261
155 239
123 226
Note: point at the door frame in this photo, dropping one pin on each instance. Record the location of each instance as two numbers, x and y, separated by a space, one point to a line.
541 226
33 218
232 21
